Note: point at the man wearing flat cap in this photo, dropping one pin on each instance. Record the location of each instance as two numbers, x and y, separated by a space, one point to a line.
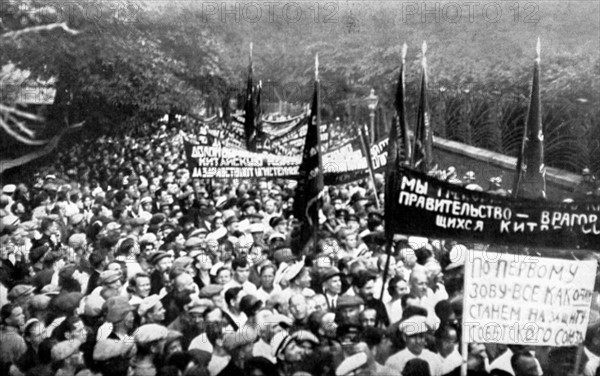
67 359
113 357
239 345
348 309
162 262
151 310
331 283
150 340
288 352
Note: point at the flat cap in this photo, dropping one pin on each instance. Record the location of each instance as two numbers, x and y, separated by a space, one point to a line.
346 301
20 291
109 276
182 262
109 348
209 291
199 305
64 349
77 240
147 304
117 308
157 256
67 302
230 221
150 333
330 273
193 242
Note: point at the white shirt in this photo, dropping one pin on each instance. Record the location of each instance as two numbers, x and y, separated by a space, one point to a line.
399 360
503 362
264 296
201 342
451 362
217 364
394 310
592 364
261 348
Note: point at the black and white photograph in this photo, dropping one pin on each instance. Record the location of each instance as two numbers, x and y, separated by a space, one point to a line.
299 188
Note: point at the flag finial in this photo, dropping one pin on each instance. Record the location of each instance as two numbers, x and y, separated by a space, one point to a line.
404 49
316 66
538 49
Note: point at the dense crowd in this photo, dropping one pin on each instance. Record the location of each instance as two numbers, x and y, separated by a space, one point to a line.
114 262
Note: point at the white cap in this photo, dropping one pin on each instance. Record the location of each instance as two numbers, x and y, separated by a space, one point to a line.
351 364
414 325
9 189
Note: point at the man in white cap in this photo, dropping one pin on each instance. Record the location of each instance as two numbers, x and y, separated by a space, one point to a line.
288 352
413 331
298 277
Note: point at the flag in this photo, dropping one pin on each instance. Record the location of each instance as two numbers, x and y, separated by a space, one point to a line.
422 157
249 125
401 110
530 175
307 200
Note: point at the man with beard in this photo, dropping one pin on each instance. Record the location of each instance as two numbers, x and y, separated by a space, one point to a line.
179 295
323 325
190 321
364 287
162 262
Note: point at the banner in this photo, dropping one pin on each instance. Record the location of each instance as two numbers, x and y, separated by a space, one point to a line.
428 207
341 165
516 299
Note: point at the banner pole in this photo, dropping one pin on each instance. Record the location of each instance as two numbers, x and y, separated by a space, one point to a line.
464 343
367 151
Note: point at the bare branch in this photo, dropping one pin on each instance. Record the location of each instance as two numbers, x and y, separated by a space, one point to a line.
33 29
26 115
20 125
20 138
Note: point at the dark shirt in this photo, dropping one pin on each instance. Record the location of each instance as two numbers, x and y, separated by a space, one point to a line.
231 370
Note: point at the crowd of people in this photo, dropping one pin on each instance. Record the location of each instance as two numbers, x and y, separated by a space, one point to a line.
115 262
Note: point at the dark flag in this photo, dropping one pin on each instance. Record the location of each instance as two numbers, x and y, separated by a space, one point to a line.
307 200
530 175
249 125
422 157
401 110
391 168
